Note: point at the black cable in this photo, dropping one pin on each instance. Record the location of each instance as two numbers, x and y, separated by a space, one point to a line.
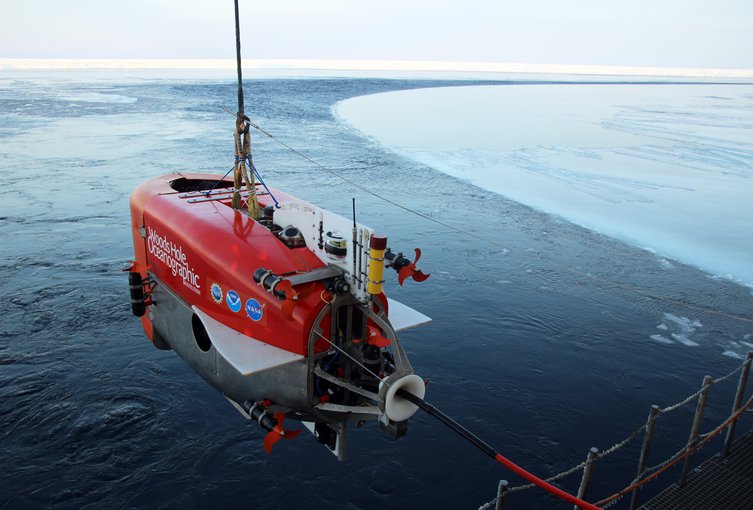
238 60
478 443
464 432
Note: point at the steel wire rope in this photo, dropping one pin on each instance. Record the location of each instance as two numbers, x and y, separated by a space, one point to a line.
573 469
691 397
551 479
629 438
685 452
609 283
658 468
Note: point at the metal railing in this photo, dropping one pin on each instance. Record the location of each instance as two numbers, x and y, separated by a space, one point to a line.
644 474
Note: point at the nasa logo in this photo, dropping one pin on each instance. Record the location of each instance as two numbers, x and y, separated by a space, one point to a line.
216 292
233 301
254 310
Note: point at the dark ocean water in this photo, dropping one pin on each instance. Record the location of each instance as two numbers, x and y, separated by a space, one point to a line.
542 348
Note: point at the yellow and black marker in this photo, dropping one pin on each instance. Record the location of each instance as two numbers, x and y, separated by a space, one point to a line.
377 246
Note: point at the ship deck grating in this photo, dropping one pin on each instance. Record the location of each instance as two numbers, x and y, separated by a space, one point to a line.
720 483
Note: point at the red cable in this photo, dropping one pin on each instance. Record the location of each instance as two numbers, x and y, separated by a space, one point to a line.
491 452
544 485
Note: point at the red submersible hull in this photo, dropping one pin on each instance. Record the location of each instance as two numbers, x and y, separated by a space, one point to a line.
284 315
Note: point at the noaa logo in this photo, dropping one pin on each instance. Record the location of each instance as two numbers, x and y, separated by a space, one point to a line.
216 291
254 310
233 301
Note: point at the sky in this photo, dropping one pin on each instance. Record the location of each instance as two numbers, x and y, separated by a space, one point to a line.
661 33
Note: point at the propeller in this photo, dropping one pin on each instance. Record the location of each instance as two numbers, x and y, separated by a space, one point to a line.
278 433
135 267
291 297
410 271
374 338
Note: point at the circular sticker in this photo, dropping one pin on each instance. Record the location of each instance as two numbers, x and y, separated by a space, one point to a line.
216 291
254 310
233 301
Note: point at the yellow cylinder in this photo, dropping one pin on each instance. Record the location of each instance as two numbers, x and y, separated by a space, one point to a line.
377 247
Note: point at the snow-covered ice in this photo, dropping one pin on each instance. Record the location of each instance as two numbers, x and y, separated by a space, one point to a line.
665 166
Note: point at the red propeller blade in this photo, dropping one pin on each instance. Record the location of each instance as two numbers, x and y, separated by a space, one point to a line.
405 273
135 267
291 296
373 337
270 440
286 287
410 271
278 433
379 341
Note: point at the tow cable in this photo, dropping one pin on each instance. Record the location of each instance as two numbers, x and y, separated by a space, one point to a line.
481 445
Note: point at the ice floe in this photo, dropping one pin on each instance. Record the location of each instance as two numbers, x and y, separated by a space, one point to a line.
680 329
667 167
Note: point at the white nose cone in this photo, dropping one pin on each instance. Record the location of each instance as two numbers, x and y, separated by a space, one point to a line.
397 408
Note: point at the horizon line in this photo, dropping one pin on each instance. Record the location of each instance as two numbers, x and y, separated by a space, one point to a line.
363 65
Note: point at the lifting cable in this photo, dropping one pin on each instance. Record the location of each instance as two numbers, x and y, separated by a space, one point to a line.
242 140
488 450
243 155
